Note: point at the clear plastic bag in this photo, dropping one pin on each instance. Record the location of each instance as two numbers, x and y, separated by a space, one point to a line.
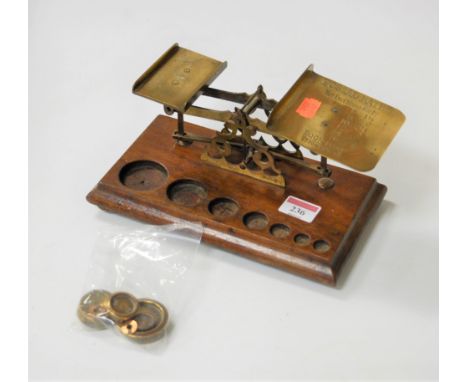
137 279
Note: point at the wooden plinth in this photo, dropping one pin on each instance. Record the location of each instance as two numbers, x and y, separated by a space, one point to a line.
160 182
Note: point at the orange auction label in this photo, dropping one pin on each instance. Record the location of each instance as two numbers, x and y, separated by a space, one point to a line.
308 107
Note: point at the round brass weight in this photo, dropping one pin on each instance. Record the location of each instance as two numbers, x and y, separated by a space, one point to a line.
93 307
122 306
149 320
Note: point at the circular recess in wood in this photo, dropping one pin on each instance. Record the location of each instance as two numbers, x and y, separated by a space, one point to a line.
302 239
280 231
186 192
321 245
223 207
255 220
143 175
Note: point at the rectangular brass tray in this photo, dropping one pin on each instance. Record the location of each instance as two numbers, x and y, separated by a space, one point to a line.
176 78
335 121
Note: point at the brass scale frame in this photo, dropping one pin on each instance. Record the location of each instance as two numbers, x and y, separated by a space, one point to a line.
357 137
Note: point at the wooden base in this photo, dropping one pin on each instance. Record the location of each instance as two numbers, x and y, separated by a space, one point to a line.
159 181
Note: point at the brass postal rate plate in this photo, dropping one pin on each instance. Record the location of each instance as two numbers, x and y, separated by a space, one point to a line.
335 121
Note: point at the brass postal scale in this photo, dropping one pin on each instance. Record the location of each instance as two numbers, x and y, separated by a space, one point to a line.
249 184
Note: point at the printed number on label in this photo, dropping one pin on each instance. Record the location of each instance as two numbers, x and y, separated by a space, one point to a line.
300 209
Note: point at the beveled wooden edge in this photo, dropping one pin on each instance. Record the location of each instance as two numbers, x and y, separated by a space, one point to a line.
370 205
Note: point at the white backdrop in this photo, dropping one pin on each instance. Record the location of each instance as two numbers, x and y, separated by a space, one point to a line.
244 320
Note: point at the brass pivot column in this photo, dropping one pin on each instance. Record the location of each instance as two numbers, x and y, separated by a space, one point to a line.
180 134
180 129
326 182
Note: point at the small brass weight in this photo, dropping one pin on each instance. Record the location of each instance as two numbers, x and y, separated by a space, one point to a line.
142 320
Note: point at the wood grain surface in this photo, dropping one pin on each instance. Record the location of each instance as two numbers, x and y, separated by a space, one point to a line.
159 182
